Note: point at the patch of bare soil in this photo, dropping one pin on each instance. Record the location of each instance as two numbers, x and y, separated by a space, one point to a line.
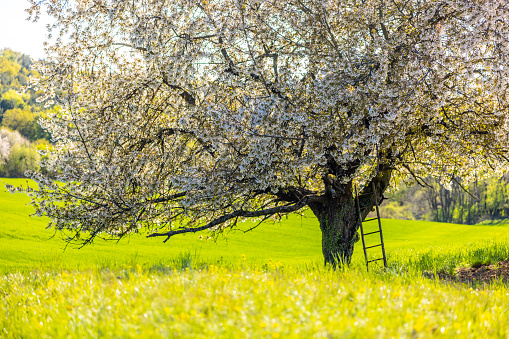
482 273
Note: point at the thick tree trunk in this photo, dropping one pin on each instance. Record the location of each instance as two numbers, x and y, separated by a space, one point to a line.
339 218
339 223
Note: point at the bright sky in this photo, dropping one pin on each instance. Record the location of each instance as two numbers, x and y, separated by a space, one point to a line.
19 34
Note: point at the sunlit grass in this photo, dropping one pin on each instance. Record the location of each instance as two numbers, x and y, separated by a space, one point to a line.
448 260
268 283
244 301
25 244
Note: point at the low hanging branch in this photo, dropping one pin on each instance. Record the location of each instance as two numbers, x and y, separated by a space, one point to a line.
240 213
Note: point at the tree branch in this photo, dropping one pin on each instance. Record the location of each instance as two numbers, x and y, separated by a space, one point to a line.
381 181
188 97
240 213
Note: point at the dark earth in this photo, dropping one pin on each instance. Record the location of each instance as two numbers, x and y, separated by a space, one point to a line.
477 274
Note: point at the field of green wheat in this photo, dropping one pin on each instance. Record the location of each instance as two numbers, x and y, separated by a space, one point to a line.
268 283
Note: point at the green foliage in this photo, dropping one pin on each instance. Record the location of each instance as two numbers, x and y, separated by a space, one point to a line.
9 69
14 73
25 122
483 201
395 210
19 112
11 100
21 159
19 120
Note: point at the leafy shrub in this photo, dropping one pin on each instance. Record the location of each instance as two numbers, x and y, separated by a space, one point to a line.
16 154
21 159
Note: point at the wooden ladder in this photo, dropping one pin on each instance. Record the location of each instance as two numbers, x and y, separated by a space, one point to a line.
381 244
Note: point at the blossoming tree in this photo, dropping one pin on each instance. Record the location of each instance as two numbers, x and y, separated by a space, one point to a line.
193 115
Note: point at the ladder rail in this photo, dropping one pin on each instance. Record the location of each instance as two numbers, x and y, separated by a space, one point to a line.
364 247
362 229
379 224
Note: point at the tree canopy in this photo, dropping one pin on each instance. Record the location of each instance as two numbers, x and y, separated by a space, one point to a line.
186 116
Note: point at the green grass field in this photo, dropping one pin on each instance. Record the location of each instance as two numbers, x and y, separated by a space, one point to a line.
25 243
268 283
246 303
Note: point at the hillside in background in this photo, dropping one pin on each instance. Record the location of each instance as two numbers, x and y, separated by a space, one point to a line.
20 134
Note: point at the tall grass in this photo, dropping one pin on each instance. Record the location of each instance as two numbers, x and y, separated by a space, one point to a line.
448 260
218 302
187 297
434 259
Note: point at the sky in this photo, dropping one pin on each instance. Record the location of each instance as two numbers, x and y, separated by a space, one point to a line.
17 33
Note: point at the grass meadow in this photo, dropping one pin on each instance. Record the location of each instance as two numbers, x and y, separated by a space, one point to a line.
267 283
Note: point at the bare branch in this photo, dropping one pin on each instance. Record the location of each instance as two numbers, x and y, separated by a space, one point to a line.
240 213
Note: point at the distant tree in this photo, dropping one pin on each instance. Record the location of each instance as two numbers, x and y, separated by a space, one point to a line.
11 100
9 67
16 154
480 201
15 70
24 110
22 158
21 120
186 116
26 61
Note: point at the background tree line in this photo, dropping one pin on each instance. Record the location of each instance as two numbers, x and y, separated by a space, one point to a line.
20 134
483 201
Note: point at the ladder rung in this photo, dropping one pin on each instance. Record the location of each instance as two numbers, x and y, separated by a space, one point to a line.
376 202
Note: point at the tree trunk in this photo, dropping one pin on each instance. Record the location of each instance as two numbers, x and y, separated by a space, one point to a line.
339 224
339 218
